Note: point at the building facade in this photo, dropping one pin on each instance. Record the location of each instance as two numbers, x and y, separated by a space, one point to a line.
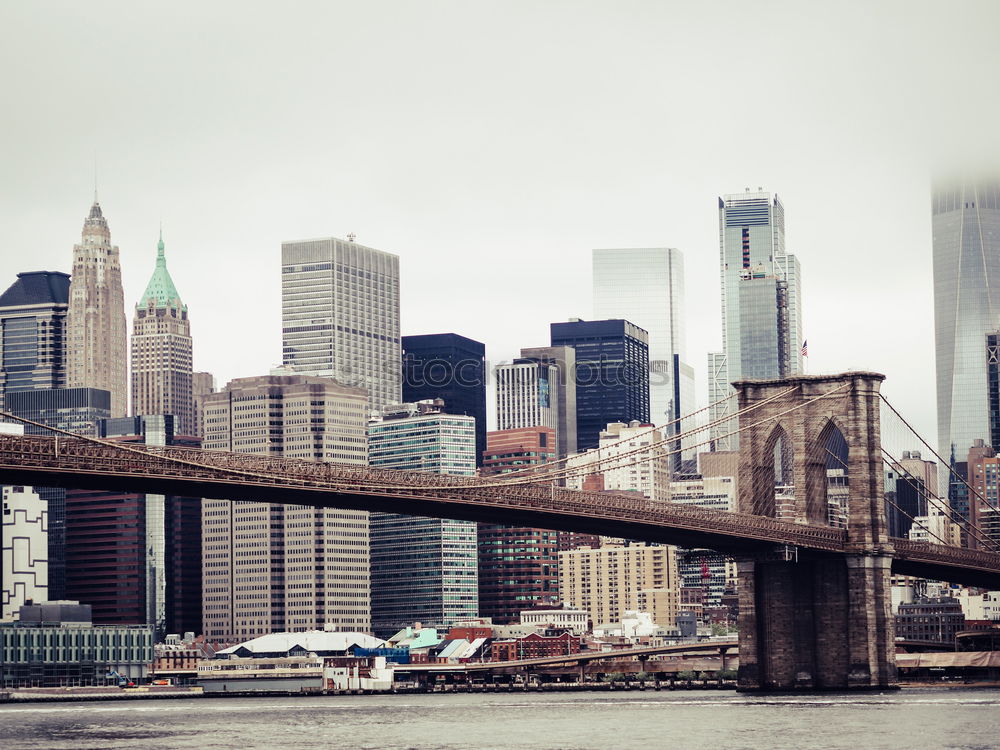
422 569
271 567
965 222
614 578
451 368
76 410
562 391
202 384
33 332
646 286
614 459
161 351
340 315
525 395
612 374
56 644
518 565
24 549
96 330
761 301
136 558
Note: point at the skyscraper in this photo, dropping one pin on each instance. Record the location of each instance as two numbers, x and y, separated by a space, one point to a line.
562 391
96 330
271 567
161 351
340 315
965 222
612 374
423 569
646 287
33 332
452 368
761 301
136 558
202 384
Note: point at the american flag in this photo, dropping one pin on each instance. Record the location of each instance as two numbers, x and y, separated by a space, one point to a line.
805 348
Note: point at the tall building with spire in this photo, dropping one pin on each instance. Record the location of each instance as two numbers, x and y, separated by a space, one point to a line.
161 351
96 327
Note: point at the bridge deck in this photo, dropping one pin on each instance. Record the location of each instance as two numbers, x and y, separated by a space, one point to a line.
87 464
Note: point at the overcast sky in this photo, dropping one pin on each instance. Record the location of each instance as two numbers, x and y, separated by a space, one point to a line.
492 146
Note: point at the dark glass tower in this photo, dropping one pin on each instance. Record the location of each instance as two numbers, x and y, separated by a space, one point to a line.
452 368
135 558
612 374
33 332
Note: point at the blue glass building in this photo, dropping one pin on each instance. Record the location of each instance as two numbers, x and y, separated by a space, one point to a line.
612 374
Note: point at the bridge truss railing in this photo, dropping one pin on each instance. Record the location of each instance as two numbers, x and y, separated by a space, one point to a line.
252 469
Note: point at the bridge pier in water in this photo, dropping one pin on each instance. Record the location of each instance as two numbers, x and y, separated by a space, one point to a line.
810 620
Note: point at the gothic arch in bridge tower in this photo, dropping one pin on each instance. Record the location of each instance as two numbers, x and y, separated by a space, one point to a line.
827 473
774 477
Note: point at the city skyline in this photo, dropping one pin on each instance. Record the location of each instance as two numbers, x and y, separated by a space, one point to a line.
514 222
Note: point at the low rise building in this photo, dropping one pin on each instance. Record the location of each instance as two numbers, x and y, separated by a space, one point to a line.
934 620
56 644
556 616
535 646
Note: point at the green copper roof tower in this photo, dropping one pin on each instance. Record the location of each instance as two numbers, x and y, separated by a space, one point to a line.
160 291
161 351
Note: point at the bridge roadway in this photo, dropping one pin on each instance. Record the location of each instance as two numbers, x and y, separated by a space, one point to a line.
721 647
77 463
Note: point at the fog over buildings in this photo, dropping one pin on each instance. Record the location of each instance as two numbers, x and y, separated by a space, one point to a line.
491 174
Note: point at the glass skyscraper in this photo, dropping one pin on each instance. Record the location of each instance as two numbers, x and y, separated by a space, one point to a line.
422 569
761 301
646 287
966 235
612 374
452 368
33 332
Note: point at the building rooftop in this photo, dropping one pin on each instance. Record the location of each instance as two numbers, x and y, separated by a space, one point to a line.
37 288
160 291
320 642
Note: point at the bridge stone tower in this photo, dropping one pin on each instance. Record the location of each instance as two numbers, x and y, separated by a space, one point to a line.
806 620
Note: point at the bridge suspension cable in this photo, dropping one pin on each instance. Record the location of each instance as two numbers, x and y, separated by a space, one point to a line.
935 501
545 471
974 493
595 467
549 465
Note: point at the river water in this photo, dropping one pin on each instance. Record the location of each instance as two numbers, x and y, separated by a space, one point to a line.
913 719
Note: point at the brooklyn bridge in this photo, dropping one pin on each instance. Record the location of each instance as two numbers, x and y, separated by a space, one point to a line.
814 608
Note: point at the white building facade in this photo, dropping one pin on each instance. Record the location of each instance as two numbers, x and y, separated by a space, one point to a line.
24 558
340 315
647 470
